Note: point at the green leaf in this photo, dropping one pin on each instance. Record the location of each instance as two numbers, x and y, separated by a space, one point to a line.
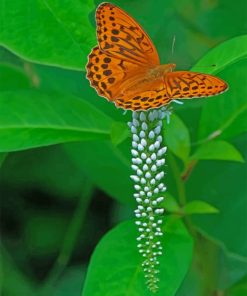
115 267
48 31
234 267
31 119
218 265
12 78
199 207
119 132
225 54
170 204
220 150
239 289
224 186
177 137
76 83
225 116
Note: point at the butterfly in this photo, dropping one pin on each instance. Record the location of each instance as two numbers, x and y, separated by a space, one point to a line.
125 68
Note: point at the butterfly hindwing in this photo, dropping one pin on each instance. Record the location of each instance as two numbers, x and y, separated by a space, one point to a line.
186 84
144 100
176 85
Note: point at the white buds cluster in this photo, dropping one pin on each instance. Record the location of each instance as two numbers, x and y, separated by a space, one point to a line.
148 158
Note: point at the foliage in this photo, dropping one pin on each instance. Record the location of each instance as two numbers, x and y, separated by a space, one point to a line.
54 208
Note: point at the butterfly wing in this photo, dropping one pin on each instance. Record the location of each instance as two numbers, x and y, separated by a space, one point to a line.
144 100
175 85
108 74
112 78
188 85
119 67
120 36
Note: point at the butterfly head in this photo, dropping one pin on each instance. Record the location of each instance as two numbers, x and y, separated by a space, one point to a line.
168 68
162 70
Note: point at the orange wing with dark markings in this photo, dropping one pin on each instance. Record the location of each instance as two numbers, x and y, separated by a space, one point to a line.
120 36
187 85
176 85
124 67
108 74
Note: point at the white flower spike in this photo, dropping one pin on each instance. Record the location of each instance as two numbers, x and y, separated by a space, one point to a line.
147 163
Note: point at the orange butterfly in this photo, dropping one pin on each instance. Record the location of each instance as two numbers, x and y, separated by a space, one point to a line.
125 67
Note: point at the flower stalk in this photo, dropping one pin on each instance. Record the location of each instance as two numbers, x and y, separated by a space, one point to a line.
148 159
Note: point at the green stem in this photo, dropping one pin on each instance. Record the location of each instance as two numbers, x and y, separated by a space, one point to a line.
181 192
71 236
188 170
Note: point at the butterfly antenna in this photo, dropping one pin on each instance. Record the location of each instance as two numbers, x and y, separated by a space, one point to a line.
173 44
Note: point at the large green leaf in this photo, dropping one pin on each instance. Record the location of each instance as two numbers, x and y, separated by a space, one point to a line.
31 119
115 267
48 31
226 115
74 82
224 55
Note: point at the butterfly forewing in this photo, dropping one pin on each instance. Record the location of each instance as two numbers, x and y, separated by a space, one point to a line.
121 36
108 74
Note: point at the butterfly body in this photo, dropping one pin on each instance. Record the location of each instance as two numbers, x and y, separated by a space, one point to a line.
146 81
125 67
161 70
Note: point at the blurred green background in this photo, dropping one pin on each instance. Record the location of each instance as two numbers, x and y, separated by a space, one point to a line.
65 152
